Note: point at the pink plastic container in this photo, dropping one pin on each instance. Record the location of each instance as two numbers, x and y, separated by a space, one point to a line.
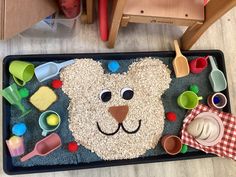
16 146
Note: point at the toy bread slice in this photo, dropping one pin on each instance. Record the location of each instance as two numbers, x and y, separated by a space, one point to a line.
43 98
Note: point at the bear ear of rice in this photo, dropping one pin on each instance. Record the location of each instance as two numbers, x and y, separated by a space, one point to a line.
84 73
151 74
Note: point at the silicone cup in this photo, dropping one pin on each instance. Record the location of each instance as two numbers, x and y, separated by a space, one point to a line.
43 122
21 71
16 146
222 101
188 100
198 65
172 144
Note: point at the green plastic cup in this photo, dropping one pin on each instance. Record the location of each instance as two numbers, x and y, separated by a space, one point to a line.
43 122
21 71
12 95
188 100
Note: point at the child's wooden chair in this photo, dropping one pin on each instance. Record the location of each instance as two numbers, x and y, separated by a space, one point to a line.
191 13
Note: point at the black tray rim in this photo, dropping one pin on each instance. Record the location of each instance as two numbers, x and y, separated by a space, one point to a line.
12 170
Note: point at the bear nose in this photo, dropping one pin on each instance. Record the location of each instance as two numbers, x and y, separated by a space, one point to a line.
119 112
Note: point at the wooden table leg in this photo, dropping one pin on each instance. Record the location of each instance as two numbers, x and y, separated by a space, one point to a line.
214 10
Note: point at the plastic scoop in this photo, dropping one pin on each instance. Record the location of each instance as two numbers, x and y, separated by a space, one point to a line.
217 77
180 63
48 70
44 146
12 95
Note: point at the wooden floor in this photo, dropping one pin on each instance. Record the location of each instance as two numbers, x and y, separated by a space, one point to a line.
221 35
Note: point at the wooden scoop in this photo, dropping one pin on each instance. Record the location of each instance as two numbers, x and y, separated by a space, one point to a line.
180 63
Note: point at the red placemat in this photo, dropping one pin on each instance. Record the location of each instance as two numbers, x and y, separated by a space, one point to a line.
226 147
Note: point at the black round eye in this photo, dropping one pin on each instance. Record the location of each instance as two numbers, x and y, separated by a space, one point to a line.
127 93
105 95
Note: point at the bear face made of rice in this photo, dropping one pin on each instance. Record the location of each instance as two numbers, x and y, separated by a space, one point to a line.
117 116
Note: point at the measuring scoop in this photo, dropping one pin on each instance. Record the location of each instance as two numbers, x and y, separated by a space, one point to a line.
48 70
44 146
180 63
217 77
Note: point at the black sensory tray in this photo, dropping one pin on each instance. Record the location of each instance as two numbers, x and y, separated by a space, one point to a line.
11 168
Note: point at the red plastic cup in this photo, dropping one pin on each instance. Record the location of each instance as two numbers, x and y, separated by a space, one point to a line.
172 144
198 65
70 8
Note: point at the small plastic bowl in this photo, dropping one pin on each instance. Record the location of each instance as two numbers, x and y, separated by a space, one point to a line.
217 100
172 144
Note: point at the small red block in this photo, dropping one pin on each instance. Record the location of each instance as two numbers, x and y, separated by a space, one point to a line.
73 146
56 84
171 116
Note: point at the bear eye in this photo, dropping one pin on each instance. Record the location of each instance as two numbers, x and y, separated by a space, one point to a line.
127 93
105 95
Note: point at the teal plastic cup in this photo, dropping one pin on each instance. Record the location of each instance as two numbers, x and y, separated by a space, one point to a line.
188 100
44 125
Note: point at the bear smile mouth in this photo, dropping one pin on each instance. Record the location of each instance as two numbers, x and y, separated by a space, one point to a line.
118 128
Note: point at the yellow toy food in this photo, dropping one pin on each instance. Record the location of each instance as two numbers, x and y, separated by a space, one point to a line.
52 120
43 98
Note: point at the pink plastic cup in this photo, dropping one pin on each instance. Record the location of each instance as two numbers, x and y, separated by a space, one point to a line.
15 146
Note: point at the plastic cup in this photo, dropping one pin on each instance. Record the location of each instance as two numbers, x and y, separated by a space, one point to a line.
12 95
198 65
172 144
188 100
44 125
15 146
21 71
217 100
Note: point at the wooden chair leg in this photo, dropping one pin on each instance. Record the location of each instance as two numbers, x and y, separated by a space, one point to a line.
118 7
90 10
88 13
214 10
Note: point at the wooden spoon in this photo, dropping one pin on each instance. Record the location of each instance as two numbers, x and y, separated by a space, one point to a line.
180 63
